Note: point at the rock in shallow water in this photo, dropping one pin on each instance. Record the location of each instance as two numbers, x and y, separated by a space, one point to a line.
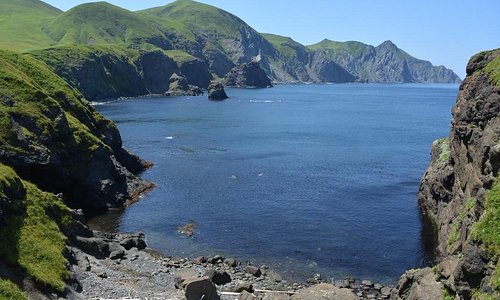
216 92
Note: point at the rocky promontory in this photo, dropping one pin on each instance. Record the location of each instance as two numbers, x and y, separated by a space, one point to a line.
247 75
460 192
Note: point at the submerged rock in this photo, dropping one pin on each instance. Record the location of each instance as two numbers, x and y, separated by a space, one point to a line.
187 229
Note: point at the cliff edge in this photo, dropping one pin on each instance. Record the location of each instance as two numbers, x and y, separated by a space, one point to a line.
460 191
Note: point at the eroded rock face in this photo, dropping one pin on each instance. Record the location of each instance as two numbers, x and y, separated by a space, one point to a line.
247 75
418 284
179 86
59 142
462 170
216 91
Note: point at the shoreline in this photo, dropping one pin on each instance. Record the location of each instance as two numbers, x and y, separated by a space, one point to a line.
141 272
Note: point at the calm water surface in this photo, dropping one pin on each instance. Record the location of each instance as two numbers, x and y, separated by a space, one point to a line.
306 178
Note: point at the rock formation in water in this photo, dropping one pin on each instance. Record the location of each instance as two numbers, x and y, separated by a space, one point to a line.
216 91
460 191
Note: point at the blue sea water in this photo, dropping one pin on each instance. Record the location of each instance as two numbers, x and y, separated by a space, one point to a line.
305 178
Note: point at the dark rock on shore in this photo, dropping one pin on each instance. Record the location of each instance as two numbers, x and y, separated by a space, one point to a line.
247 75
216 91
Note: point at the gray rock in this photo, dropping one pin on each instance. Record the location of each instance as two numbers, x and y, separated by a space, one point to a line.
218 277
117 254
216 92
324 291
242 286
418 284
200 288
253 271
246 296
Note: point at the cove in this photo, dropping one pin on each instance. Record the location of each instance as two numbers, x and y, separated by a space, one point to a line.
305 178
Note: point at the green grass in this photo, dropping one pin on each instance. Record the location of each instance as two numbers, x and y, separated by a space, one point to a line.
102 23
493 69
486 230
444 145
179 56
21 23
32 237
457 222
285 45
198 17
354 48
10 291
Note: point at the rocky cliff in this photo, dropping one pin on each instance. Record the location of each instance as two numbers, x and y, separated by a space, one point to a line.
52 137
101 72
460 191
55 151
248 75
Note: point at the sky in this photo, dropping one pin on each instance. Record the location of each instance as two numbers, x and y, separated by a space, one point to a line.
445 32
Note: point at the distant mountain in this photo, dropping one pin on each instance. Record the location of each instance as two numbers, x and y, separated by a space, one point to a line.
384 63
223 39
199 38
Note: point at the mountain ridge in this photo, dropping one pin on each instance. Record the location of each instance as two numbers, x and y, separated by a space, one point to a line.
219 39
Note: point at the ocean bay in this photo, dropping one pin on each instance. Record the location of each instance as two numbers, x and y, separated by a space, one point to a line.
307 178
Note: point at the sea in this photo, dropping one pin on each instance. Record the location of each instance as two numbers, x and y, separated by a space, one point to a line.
306 179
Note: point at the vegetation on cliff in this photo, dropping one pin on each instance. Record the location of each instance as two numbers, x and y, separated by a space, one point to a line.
217 38
32 237
460 191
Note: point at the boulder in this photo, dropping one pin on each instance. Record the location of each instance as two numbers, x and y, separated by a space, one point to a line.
200 288
183 275
253 270
246 296
218 277
187 229
216 92
418 284
324 291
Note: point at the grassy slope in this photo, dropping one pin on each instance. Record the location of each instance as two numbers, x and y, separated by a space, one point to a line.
352 47
38 93
32 237
198 17
10 291
285 45
21 23
102 23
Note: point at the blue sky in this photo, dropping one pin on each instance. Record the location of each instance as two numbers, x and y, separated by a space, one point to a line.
444 32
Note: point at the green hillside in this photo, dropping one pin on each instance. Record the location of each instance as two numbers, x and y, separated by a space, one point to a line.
354 48
21 24
285 45
103 23
198 17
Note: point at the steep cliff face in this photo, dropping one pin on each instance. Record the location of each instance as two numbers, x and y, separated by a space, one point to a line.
458 193
97 72
248 75
52 137
101 72
385 63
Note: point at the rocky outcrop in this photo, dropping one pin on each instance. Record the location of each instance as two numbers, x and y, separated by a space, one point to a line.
322 69
247 75
385 63
107 73
179 86
52 137
216 91
458 193
155 69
